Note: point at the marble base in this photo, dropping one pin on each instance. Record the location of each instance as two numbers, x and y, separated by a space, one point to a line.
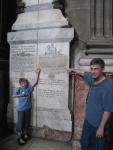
47 133
76 145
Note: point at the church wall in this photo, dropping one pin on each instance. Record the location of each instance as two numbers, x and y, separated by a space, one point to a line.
92 21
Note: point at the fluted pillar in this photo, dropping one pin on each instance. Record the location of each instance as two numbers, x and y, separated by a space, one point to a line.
108 18
101 18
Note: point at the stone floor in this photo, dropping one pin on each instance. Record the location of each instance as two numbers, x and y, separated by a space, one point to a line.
10 143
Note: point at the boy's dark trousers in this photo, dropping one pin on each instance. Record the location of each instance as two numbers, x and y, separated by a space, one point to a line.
23 122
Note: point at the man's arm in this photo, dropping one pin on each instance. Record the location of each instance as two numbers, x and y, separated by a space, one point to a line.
100 130
76 71
37 78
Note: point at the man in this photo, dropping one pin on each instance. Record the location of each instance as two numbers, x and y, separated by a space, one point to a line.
99 105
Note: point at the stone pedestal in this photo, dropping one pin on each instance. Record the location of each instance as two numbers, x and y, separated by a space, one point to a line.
40 40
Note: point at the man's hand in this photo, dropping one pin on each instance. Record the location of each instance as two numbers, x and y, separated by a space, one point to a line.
69 69
100 132
76 71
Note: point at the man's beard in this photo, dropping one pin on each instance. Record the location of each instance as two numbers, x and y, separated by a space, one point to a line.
98 78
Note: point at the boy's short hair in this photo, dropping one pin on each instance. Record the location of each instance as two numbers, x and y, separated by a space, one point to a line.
98 61
23 80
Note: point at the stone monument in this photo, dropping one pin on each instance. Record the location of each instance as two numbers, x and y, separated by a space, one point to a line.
41 37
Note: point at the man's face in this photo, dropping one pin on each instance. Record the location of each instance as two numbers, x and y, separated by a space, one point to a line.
96 71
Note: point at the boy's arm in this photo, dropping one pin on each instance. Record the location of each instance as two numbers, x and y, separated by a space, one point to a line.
37 79
20 95
75 70
17 93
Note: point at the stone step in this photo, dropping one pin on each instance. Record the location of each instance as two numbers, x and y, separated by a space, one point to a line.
10 143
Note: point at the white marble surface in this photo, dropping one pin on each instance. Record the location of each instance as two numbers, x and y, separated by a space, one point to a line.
54 120
41 41
51 93
42 35
40 19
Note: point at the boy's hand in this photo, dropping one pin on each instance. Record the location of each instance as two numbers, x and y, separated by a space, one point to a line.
25 94
37 70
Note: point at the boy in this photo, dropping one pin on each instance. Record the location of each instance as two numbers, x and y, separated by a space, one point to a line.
24 107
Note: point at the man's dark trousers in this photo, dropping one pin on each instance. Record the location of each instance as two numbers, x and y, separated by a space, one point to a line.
88 138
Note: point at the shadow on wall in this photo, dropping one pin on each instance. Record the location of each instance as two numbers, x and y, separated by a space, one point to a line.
109 129
110 134
11 124
4 100
11 13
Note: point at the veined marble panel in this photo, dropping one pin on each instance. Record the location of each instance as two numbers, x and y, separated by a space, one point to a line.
51 93
57 119
54 120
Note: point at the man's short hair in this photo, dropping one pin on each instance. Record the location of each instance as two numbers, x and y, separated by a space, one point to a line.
98 61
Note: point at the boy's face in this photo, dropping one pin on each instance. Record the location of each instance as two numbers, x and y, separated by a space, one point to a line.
23 84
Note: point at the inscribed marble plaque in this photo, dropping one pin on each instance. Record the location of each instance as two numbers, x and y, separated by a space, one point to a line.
53 85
